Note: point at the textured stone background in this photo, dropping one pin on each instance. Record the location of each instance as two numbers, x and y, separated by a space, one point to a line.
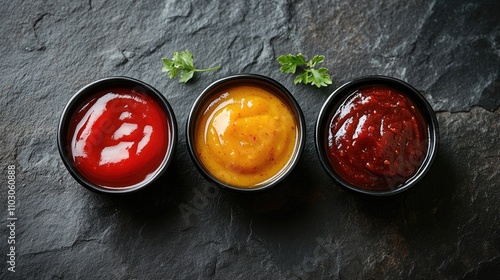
186 228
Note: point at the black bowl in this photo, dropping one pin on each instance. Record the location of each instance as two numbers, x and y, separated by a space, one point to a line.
254 80
83 95
337 98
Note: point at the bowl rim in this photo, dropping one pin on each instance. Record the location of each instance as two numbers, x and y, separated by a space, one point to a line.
86 92
263 81
345 90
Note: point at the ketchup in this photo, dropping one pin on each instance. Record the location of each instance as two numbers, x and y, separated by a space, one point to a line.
118 137
377 138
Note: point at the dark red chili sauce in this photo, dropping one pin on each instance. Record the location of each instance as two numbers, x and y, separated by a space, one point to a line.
377 138
118 137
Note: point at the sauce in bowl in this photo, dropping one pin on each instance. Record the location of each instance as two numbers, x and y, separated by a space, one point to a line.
377 138
246 135
118 137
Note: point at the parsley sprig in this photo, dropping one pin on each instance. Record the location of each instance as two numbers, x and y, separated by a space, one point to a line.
318 77
183 63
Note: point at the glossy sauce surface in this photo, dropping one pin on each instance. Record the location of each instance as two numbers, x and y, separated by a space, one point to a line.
377 138
245 136
118 137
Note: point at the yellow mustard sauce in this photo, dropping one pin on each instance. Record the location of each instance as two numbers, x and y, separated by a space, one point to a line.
246 136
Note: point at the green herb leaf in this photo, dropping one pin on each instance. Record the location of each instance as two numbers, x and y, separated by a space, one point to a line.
186 58
316 59
302 78
168 66
182 63
318 77
186 76
290 62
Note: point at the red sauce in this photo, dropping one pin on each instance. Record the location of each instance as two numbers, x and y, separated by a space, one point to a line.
377 138
118 137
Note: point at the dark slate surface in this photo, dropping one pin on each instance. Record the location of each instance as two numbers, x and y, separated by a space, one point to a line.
447 227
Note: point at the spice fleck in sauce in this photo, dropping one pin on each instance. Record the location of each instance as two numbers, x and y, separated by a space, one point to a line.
118 138
377 138
245 136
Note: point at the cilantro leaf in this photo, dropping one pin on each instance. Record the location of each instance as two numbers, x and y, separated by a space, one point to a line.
316 59
186 76
168 66
318 77
182 63
302 78
290 62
